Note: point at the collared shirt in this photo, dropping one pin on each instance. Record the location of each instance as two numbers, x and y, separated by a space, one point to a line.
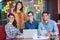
51 26
33 25
11 31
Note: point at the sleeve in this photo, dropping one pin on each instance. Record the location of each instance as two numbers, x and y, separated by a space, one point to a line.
25 26
37 25
41 29
18 31
56 28
8 32
25 17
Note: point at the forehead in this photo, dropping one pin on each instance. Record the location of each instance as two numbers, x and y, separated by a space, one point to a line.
45 14
11 16
19 4
30 14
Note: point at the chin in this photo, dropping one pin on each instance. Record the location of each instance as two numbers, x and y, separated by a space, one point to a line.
45 20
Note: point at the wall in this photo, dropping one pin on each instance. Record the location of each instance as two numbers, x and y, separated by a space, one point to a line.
58 6
53 9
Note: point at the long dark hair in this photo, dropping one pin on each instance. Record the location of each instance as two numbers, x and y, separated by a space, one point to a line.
21 6
14 22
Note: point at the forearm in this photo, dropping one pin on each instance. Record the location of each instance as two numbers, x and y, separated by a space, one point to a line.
53 33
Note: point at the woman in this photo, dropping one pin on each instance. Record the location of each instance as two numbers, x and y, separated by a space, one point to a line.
19 16
11 28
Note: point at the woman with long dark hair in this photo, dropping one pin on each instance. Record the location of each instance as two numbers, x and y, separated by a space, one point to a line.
11 28
19 15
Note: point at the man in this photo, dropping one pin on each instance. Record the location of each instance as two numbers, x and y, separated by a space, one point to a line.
48 27
31 23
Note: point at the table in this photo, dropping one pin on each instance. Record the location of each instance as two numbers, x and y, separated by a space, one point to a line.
29 39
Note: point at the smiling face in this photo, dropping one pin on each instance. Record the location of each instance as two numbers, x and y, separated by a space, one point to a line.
30 15
11 18
19 6
45 17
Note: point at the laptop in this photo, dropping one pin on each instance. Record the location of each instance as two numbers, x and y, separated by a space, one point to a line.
29 33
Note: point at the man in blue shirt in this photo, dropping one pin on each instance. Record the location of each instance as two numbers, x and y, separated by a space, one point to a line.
31 23
48 27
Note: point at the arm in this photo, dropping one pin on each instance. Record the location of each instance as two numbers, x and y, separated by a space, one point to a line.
18 32
41 29
8 32
37 25
25 26
25 17
55 29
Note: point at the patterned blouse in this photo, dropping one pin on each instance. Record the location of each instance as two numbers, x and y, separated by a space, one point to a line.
11 31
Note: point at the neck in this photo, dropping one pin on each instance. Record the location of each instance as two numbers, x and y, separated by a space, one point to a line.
18 11
46 21
10 22
31 19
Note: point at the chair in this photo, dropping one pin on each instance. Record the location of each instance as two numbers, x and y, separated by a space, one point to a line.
58 24
2 33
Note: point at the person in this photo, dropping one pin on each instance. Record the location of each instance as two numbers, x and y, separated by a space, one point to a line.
12 31
20 16
31 23
49 26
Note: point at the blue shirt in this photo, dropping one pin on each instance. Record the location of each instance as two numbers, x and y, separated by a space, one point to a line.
51 26
11 31
33 25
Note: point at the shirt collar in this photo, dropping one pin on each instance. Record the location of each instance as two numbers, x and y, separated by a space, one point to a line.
32 22
45 23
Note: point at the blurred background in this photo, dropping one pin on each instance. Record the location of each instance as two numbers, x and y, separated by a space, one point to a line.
37 6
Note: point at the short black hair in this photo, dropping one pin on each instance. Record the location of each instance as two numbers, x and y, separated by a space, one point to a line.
31 12
45 12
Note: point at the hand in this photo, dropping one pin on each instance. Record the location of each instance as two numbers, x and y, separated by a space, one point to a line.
18 36
48 34
52 33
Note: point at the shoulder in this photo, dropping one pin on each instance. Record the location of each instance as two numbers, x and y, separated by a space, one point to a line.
14 12
36 21
7 26
23 13
26 22
40 23
52 21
